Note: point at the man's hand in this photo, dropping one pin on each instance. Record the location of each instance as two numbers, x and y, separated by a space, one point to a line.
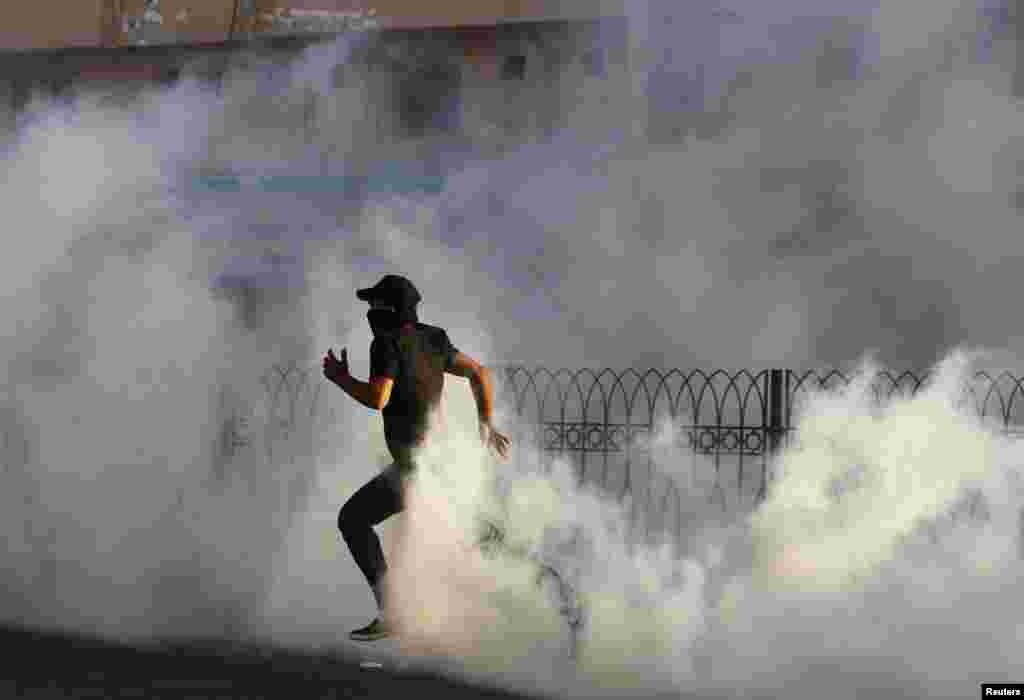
335 369
492 438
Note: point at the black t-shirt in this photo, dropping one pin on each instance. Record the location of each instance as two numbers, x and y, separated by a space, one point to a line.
416 360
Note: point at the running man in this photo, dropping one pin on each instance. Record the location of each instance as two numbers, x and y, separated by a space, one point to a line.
408 361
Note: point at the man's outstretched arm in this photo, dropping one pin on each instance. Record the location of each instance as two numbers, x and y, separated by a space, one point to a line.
483 392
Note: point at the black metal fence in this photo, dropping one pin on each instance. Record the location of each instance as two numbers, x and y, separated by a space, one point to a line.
595 415
607 424
731 423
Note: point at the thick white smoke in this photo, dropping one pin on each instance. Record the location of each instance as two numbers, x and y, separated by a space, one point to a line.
861 572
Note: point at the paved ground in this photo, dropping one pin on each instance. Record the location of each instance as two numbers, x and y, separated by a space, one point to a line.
48 666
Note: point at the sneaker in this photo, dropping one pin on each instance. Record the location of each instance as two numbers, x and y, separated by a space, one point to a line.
372 632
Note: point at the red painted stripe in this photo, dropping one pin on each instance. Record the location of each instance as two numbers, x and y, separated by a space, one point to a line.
123 71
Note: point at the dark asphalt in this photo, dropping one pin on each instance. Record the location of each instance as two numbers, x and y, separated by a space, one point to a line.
48 665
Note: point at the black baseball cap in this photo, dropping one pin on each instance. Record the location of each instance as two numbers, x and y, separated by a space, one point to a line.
392 289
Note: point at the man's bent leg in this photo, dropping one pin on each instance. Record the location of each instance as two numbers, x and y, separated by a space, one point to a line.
372 504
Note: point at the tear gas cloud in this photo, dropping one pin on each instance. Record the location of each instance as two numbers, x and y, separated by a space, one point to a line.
784 205
883 585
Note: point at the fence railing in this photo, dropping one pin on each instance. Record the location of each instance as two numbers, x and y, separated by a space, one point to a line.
605 421
607 424
731 424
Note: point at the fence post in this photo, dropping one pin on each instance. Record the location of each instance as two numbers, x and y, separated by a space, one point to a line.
775 421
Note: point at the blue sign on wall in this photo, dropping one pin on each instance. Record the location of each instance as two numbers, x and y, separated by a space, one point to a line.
385 183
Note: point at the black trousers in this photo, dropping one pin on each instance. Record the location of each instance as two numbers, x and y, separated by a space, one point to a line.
372 504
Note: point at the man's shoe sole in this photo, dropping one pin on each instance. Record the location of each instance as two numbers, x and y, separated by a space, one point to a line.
368 637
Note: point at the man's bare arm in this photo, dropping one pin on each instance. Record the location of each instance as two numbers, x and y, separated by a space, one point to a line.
483 392
479 382
373 394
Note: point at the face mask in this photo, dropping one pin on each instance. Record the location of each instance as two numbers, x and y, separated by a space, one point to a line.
382 320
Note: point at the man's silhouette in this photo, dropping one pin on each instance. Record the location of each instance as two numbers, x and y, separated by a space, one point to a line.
408 361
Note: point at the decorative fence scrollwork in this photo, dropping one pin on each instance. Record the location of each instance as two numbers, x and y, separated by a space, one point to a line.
286 386
726 426
604 418
993 398
281 424
723 419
